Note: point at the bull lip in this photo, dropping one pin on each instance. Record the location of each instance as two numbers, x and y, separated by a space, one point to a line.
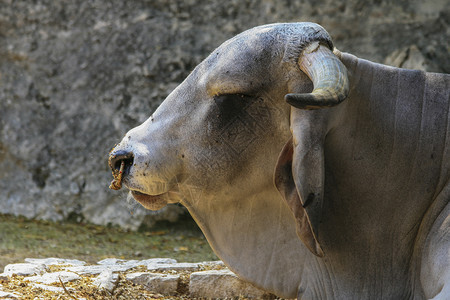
151 202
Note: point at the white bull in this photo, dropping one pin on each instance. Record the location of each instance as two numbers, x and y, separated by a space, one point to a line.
365 182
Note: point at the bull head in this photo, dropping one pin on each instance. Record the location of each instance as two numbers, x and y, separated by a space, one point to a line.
216 138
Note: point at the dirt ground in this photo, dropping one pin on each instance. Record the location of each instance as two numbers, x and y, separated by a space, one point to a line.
21 238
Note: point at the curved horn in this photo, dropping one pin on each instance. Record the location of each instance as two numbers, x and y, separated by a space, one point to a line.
329 77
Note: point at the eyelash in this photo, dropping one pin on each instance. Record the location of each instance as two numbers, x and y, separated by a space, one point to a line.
231 95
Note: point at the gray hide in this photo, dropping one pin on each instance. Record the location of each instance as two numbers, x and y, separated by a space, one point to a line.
377 166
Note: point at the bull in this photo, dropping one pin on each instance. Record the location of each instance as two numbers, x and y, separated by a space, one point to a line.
358 151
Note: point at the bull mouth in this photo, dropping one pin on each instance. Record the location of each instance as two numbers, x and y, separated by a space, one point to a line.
151 202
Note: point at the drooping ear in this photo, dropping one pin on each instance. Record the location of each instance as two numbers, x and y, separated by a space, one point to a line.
299 175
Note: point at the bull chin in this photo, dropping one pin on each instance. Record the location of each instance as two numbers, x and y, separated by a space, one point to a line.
151 202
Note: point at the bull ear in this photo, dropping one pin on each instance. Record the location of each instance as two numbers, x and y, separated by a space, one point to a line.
299 176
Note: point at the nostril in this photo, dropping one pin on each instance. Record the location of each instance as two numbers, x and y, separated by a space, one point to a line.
128 163
116 159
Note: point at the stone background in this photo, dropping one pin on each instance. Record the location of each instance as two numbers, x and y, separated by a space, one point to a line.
76 75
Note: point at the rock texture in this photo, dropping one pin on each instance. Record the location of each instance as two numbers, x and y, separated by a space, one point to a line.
24 269
76 75
162 277
106 280
165 284
222 284
55 277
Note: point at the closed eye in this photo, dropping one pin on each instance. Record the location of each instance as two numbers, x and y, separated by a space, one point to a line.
232 103
230 106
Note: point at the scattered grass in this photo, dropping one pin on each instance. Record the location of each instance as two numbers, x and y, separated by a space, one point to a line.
84 288
21 238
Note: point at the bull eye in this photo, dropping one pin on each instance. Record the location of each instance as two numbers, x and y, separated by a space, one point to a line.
230 106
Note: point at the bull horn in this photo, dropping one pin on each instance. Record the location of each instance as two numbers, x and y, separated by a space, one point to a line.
329 77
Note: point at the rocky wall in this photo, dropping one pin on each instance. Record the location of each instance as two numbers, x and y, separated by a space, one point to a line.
75 76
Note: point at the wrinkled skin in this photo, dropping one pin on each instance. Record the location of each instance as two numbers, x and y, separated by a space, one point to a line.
214 143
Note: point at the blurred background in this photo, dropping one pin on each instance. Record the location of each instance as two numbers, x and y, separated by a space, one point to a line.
76 75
